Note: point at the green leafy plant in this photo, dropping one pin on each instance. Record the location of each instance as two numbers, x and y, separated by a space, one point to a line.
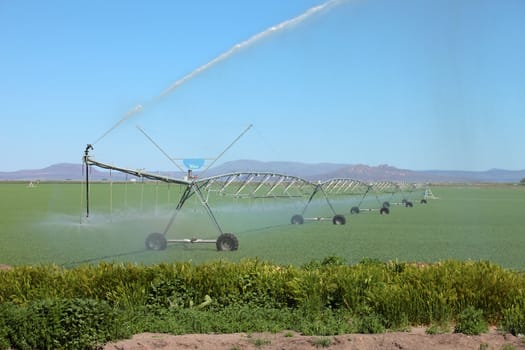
63 324
470 321
514 320
438 328
46 303
259 342
322 342
370 324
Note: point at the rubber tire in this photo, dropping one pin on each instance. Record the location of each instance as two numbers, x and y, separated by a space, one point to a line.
386 204
409 204
156 241
339 220
384 210
354 210
423 201
227 242
297 219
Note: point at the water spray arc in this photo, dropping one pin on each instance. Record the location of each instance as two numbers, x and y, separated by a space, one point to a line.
237 185
223 56
252 40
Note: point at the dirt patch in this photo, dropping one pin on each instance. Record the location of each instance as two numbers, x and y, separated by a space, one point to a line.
415 339
5 267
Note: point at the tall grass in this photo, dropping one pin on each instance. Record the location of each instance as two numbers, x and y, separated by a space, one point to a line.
423 294
321 298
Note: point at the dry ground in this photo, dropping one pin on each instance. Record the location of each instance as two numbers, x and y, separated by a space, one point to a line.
415 339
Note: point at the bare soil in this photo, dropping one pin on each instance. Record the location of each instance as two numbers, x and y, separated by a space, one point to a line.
415 339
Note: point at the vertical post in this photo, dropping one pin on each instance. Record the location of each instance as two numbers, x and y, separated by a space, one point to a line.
86 155
87 190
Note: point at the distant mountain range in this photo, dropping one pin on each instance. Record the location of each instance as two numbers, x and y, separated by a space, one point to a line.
319 171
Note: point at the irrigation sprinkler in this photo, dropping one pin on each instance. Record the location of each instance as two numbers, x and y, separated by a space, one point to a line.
269 185
239 185
192 187
407 194
337 219
428 195
364 191
416 193
157 240
331 188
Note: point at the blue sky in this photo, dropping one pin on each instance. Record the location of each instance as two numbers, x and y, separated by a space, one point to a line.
418 84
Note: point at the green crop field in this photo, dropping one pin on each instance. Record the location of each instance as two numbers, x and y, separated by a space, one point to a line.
47 224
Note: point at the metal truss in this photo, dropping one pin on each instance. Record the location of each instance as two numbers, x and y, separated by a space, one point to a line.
256 185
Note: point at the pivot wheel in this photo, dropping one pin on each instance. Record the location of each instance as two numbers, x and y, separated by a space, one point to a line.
409 204
423 201
156 241
339 220
384 210
297 219
227 242
354 210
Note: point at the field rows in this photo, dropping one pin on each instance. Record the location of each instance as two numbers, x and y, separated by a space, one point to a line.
46 224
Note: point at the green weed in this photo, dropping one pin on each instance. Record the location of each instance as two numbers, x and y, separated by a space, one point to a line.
323 342
438 328
259 342
470 321
514 319
508 347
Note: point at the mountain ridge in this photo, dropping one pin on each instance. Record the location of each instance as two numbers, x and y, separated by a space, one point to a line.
313 171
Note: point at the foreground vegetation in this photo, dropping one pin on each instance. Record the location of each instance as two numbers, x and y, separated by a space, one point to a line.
50 307
92 280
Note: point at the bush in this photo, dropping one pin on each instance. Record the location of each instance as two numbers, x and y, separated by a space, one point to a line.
50 305
370 324
62 324
470 321
4 330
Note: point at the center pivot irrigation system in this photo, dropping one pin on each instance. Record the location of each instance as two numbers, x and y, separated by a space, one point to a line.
248 185
252 185
157 240
406 194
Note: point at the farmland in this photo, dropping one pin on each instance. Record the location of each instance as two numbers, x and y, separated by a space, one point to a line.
45 224
283 277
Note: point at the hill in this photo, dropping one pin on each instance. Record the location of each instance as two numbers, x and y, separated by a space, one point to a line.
314 171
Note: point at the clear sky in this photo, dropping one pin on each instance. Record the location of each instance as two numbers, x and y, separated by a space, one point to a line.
418 84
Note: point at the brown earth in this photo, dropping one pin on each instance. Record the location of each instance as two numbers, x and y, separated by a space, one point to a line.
415 339
5 267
